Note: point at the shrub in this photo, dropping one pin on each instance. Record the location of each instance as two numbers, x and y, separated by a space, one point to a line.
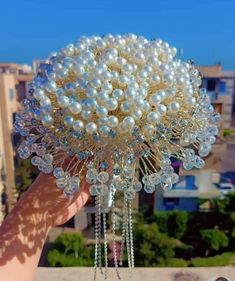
219 260
70 250
227 133
226 204
174 223
214 239
151 246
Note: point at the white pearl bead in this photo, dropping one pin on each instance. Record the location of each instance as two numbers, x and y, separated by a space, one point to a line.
162 94
101 111
156 79
91 93
79 69
39 93
153 117
125 107
102 121
130 94
107 87
112 121
139 102
68 121
47 120
143 92
137 114
111 104
161 109
114 75
57 67
106 76
146 106
123 79
104 130
86 114
63 101
143 74
96 83
91 128
78 125
45 101
101 43
117 94
75 107
133 84
191 101
51 86
128 68
121 61
128 122
140 57
155 98
60 92
102 97
62 74
174 106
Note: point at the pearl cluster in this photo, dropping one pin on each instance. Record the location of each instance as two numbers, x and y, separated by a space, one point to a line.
111 103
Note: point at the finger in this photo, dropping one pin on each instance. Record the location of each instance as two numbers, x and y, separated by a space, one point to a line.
73 208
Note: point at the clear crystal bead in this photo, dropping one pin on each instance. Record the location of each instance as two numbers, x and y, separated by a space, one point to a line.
74 183
58 172
103 177
137 186
95 190
154 178
61 183
130 194
199 162
116 169
149 188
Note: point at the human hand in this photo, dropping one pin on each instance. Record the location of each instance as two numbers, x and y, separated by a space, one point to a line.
23 232
53 203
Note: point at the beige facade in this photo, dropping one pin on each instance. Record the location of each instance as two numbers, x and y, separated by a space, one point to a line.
220 85
13 87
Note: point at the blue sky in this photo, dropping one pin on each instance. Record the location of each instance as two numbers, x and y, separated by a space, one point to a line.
205 30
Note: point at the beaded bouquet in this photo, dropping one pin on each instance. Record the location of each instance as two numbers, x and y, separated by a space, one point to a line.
121 106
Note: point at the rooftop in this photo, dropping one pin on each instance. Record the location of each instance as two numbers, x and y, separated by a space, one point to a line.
214 71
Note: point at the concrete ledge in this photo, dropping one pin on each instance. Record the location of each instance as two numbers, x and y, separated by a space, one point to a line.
139 274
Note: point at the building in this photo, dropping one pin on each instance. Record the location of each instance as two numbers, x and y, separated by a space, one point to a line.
13 88
193 185
220 85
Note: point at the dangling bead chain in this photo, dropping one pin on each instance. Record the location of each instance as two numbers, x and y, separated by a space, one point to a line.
98 261
99 236
127 234
123 232
131 234
114 235
105 246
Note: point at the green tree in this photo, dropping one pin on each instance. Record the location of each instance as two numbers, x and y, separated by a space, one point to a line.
151 246
25 175
174 223
213 239
226 204
70 250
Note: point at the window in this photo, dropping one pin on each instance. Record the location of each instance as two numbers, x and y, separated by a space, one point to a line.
211 83
223 87
11 94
